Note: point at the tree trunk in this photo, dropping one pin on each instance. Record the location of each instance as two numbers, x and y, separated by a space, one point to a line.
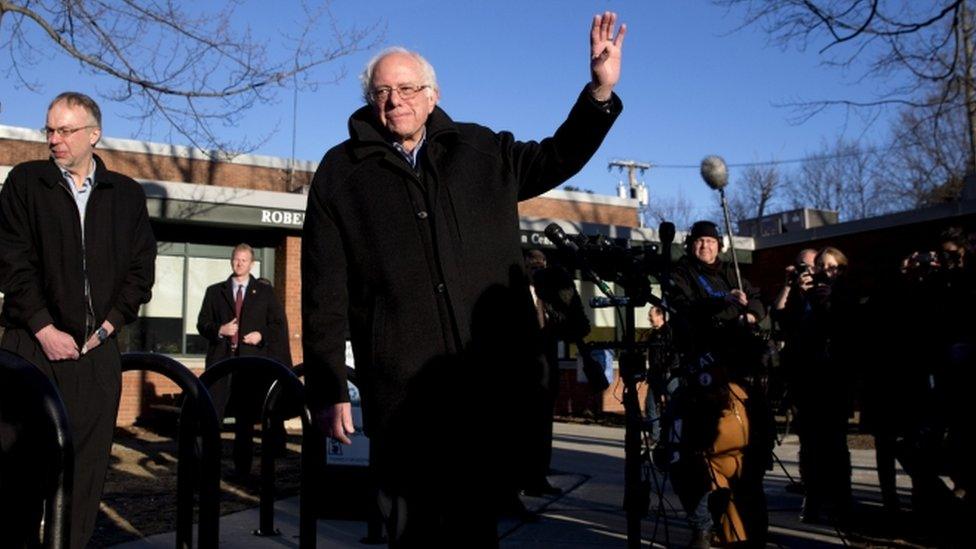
964 28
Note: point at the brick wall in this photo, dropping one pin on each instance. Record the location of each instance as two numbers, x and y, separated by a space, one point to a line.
288 285
142 390
607 214
13 151
170 168
575 397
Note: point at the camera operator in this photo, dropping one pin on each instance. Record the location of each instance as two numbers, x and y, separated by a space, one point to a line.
815 316
799 278
959 334
726 430
788 305
936 373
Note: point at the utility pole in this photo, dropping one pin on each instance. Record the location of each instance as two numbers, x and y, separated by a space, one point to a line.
633 189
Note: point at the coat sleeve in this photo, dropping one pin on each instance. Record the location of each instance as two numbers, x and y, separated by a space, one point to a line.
278 335
20 275
141 271
274 317
208 324
540 166
325 299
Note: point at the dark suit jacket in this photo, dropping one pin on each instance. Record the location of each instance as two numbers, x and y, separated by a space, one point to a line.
261 312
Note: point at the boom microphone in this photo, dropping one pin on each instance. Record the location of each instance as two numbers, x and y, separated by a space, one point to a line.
716 175
714 172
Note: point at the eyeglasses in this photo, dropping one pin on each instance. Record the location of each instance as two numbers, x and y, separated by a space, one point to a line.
405 91
63 132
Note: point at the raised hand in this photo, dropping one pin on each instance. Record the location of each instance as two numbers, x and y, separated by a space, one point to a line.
605 51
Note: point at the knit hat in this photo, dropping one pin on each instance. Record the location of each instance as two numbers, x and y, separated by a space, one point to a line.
704 228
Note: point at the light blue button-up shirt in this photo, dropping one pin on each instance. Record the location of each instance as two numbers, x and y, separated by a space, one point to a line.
81 195
411 157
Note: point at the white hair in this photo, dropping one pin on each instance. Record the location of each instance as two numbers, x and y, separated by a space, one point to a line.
426 70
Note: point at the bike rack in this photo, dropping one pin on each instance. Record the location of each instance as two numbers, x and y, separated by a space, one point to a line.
19 374
197 414
270 415
313 445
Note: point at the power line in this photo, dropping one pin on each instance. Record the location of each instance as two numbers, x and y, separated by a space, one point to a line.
776 162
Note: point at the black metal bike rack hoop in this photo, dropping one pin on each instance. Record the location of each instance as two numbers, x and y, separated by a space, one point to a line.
20 376
197 418
313 445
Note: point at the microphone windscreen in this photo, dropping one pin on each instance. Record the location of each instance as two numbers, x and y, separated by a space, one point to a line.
714 172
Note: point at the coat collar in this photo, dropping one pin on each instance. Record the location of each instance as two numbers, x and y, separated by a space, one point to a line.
52 173
367 137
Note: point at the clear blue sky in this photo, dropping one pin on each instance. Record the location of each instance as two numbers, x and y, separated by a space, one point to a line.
691 84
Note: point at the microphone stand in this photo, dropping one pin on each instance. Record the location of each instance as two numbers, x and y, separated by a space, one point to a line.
728 231
637 492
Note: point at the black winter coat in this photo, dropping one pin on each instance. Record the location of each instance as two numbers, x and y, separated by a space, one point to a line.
44 262
706 321
404 260
260 312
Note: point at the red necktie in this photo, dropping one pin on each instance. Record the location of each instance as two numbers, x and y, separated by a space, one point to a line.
238 303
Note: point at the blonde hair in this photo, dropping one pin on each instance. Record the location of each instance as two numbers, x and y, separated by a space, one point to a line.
834 253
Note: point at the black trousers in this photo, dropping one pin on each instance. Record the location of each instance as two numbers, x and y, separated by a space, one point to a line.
543 406
241 395
90 388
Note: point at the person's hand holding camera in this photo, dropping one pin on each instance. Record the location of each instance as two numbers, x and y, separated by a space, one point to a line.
920 261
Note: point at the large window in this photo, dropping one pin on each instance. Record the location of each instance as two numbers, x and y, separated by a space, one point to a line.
168 323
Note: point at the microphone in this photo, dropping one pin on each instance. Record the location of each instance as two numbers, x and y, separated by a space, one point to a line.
666 231
716 175
558 237
715 172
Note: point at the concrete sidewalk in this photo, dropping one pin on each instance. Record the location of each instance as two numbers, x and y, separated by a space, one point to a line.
589 513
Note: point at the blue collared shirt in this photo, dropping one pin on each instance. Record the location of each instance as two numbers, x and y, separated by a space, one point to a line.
81 195
411 157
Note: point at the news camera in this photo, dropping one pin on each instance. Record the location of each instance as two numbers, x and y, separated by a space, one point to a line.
603 260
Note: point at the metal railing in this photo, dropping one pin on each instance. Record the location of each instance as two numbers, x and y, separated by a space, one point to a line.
18 378
313 445
197 418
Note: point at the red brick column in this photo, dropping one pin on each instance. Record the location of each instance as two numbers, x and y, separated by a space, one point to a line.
288 285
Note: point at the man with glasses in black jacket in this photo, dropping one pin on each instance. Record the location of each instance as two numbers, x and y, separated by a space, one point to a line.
77 260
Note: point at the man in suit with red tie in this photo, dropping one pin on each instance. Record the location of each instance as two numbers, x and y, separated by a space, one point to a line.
241 316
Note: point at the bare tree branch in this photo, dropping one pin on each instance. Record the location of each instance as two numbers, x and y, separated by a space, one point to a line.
181 64
921 52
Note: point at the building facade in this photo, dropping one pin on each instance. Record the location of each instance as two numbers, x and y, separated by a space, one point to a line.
201 207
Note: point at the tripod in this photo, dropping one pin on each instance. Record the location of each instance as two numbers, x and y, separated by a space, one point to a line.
656 452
